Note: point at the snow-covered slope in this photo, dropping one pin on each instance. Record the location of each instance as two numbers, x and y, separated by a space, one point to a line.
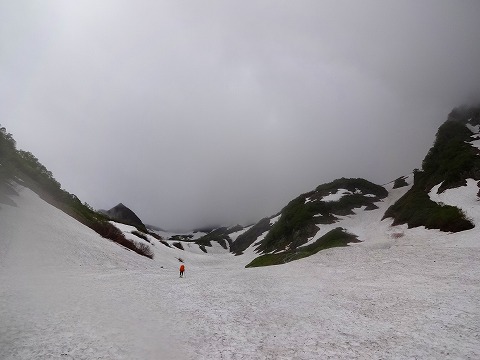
66 293
333 212
368 224
374 231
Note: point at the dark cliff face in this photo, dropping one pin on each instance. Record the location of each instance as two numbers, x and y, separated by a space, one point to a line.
123 214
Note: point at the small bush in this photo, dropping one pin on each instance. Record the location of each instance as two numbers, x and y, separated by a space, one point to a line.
416 208
187 237
165 243
178 245
400 182
155 235
144 249
140 235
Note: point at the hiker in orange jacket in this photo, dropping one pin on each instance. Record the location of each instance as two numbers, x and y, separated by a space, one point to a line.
182 270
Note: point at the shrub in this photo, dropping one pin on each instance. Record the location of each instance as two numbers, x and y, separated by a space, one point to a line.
416 209
155 235
109 231
8 152
144 250
140 235
400 182
187 237
178 245
165 243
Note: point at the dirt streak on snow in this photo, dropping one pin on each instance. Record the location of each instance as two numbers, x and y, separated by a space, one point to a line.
66 293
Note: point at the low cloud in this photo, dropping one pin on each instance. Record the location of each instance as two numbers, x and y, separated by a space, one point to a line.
218 113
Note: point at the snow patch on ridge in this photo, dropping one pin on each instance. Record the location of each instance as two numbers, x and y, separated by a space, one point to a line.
275 219
476 135
236 234
474 129
336 196
474 143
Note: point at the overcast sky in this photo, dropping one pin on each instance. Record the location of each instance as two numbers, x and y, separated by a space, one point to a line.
220 112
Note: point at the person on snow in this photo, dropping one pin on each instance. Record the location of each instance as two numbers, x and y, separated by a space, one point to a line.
182 270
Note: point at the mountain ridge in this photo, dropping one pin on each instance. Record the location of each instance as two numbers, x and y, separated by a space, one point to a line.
302 224
125 215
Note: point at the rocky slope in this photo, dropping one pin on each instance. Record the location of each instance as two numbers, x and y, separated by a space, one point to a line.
324 217
123 214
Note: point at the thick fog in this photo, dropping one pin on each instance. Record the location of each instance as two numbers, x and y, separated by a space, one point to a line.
196 113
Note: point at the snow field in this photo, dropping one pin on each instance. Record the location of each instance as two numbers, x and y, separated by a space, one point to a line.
344 304
66 293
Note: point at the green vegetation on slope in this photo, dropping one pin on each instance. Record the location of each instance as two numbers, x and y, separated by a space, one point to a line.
299 218
334 238
352 184
450 161
295 225
416 209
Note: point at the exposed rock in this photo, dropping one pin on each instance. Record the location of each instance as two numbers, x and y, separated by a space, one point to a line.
123 214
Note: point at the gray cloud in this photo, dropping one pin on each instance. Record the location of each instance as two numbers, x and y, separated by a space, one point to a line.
194 113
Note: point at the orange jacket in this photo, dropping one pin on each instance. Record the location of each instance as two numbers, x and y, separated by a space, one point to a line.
182 267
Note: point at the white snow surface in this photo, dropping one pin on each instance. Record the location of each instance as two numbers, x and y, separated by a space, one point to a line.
233 236
274 220
475 136
67 293
475 143
336 195
474 129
